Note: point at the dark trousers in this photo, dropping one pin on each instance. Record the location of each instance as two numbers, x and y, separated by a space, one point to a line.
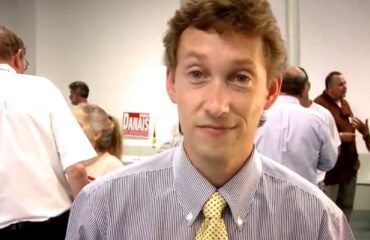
343 194
54 229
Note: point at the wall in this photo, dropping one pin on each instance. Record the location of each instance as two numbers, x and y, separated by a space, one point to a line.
19 15
115 46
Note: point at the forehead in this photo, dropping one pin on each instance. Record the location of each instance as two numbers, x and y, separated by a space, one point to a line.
339 79
231 45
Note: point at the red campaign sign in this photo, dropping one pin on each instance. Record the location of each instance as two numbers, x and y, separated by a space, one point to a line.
135 125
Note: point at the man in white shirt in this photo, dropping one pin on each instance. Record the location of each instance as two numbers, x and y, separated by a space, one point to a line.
41 147
295 136
328 118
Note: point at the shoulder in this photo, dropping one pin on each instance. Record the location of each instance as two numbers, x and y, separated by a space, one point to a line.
37 86
319 98
110 159
137 174
320 108
293 188
302 113
33 79
345 102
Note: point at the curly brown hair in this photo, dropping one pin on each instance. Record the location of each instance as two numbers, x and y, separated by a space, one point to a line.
251 17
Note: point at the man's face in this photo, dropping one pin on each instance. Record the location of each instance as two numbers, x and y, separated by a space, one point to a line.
73 96
338 87
220 87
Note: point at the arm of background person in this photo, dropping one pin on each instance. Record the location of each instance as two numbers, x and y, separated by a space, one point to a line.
363 128
77 177
329 150
71 142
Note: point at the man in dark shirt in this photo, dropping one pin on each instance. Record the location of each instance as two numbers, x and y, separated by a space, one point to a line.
341 180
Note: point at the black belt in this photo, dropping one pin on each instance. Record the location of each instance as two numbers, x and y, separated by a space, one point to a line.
28 224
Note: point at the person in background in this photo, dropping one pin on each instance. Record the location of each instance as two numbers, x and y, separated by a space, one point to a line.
224 61
104 133
340 182
79 92
295 136
41 150
328 118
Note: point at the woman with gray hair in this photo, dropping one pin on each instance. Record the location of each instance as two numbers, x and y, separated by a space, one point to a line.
103 131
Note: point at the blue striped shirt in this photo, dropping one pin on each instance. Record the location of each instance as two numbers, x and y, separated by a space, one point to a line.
162 198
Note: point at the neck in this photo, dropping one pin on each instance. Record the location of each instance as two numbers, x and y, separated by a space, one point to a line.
336 99
305 102
219 171
83 100
290 95
93 160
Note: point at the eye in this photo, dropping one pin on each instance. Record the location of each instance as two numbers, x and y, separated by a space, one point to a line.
241 78
196 74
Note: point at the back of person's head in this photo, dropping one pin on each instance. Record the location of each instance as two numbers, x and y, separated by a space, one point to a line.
249 17
104 127
305 73
80 87
294 81
10 43
329 78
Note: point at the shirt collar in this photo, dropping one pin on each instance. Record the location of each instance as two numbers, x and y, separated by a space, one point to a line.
343 107
193 189
287 99
6 68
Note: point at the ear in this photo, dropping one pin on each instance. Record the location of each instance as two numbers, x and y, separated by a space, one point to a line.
170 84
96 135
16 61
273 91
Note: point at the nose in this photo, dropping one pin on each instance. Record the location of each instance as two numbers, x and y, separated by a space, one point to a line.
217 102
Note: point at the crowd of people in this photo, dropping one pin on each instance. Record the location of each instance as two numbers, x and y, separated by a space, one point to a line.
254 157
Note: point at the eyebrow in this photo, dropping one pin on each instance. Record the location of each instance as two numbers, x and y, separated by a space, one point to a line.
241 61
193 54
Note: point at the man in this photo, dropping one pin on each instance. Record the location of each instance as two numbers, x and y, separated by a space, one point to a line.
295 136
341 180
328 118
41 144
79 92
224 60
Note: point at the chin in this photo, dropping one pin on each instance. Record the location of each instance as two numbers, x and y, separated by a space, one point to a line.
215 156
214 151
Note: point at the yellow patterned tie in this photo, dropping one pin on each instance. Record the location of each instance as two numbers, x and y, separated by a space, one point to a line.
213 226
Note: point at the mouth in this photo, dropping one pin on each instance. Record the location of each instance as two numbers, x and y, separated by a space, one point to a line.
215 130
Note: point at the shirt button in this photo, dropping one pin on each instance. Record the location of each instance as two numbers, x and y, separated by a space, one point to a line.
189 217
239 221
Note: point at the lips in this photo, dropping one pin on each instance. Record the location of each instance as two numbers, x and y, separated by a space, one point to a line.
214 126
215 130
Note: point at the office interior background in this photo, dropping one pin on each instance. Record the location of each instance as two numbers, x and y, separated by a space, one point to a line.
115 46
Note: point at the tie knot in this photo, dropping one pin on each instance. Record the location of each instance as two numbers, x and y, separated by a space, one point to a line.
214 206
